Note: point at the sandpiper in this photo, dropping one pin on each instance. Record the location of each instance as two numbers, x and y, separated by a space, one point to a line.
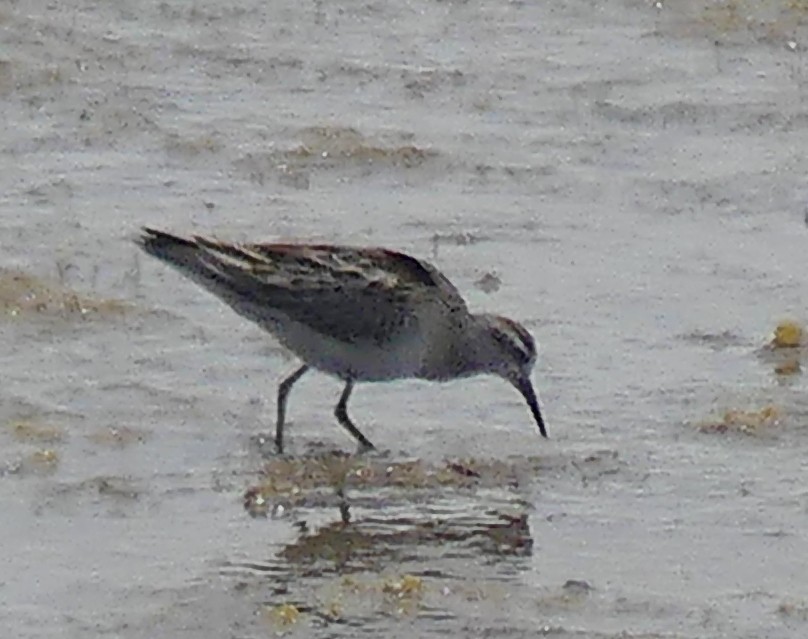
359 314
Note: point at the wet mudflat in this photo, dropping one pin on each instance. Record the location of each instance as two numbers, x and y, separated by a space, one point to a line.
626 178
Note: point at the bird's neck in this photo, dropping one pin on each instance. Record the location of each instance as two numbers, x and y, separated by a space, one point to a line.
459 351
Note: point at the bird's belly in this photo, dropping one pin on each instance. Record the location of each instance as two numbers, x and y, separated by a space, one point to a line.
362 361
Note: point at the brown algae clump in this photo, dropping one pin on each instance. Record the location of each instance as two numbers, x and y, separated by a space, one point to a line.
797 610
788 367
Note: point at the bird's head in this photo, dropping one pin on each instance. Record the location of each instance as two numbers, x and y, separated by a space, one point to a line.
511 354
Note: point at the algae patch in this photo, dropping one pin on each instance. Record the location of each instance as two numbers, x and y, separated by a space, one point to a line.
744 422
23 295
33 431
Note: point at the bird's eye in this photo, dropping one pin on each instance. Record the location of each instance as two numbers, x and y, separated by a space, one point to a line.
518 342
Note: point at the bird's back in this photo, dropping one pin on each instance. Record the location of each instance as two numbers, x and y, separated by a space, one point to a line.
339 308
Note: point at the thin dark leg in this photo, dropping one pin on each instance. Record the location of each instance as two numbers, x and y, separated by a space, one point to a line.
283 393
341 413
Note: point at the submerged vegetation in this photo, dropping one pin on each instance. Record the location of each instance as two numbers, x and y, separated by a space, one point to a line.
296 478
23 295
744 422
771 20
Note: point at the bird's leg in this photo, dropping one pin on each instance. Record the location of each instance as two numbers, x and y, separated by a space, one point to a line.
341 413
283 393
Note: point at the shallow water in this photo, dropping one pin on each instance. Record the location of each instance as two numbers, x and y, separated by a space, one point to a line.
630 179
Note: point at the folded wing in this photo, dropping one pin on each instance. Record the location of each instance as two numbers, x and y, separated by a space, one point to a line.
349 294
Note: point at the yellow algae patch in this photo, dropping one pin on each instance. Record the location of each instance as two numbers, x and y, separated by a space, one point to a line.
333 610
43 461
406 586
785 349
404 595
24 295
725 16
745 422
31 431
282 615
788 334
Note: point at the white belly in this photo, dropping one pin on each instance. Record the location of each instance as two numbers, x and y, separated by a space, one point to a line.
362 361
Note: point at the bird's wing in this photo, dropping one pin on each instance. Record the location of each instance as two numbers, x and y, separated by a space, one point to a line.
349 294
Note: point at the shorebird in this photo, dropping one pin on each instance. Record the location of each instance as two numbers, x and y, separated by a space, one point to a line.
359 314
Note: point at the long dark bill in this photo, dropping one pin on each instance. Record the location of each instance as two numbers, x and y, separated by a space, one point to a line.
525 387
